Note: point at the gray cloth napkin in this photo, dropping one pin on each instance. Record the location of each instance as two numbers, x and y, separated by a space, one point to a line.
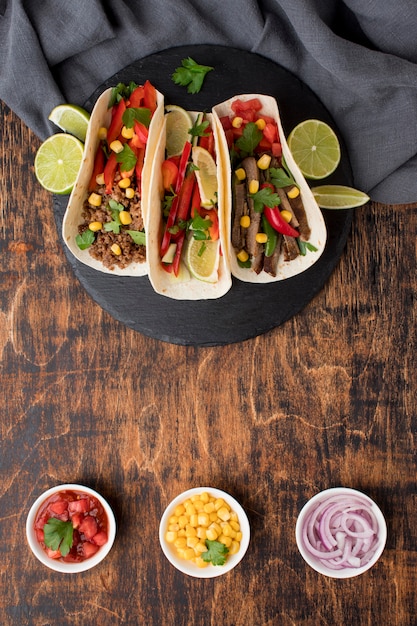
359 57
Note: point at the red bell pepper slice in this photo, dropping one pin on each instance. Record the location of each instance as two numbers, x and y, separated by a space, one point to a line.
98 168
186 193
178 252
116 123
149 97
142 132
136 97
109 172
169 174
140 153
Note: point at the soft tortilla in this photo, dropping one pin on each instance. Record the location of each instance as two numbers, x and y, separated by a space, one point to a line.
183 287
101 116
285 269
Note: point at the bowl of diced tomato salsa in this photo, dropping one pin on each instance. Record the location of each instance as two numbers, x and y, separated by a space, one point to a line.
70 528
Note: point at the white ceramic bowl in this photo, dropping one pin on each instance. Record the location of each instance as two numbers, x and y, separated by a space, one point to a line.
188 567
60 566
319 565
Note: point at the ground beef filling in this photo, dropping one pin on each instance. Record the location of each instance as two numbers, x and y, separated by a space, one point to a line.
100 249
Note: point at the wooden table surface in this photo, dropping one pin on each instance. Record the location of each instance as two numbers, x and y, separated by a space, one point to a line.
326 399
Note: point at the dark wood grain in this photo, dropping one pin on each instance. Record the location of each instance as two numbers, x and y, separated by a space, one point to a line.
326 399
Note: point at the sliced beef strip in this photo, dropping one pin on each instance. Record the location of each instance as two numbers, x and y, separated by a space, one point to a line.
252 173
299 211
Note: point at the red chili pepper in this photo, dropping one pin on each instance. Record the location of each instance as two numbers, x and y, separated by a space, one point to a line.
109 172
116 122
276 220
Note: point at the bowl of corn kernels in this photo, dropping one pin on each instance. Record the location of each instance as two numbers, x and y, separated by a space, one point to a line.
204 532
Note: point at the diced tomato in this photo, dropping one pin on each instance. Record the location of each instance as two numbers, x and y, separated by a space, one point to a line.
229 137
53 554
76 519
79 506
89 549
136 97
116 122
263 146
149 98
39 535
238 106
100 538
88 527
267 118
59 507
277 149
270 133
248 115
169 174
226 122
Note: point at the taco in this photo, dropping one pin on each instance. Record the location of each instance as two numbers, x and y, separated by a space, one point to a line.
185 225
104 221
274 227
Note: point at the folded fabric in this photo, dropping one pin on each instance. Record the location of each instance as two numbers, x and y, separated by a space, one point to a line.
359 58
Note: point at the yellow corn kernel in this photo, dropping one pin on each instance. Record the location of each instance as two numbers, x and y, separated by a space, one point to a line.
238 536
201 533
245 221
124 183
116 249
237 122
223 513
174 527
200 562
200 547
216 527
235 525
203 519
192 542
188 554
261 237
173 519
286 215
213 516
180 542
227 530
182 521
227 541
198 505
253 186
240 173
116 146
100 179
190 531
194 520
264 162
170 536
233 516
179 510
211 534
102 133
243 256
234 547
205 497
181 532
209 507
260 123
94 199
190 509
125 218
294 192
127 133
130 192
95 226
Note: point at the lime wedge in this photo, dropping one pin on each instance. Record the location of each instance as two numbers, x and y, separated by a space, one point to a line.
178 124
206 175
339 197
315 148
71 119
57 162
203 259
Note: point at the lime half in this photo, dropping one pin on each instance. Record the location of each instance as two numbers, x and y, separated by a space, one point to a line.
58 161
71 119
203 259
339 197
206 175
315 148
178 124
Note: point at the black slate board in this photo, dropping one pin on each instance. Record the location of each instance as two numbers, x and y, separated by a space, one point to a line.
247 310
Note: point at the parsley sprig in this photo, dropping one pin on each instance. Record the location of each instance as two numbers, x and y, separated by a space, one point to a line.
127 158
264 197
249 139
191 75
121 92
216 552
58 535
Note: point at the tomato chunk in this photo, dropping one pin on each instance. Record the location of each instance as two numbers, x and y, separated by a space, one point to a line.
88 527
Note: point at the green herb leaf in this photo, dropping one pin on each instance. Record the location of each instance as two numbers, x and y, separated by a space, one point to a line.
249 139
279 178
112 227
138 237
264 197
216 552
85 239
58 535
126 158
191 75
199 130
116 206
120 92
305 246
140 114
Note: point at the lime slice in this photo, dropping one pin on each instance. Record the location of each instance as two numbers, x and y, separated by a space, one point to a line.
178 124
57 163
71 119
315 148
206 175
203 259
339 197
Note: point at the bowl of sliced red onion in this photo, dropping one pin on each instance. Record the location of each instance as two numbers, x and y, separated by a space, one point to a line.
341 532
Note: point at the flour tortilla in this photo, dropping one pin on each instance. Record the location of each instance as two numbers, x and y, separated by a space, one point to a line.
185 286
101 116
285 269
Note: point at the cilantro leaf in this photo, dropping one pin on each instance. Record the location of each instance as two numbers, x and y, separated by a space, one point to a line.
191 75
138 237
279 178
85 239
249 139
305 246
264 197
141 114
120 92
216 552
127 158
199 130
115 224
58 535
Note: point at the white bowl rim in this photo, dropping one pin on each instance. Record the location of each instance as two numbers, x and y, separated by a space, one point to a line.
60 566
347 572
187 567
